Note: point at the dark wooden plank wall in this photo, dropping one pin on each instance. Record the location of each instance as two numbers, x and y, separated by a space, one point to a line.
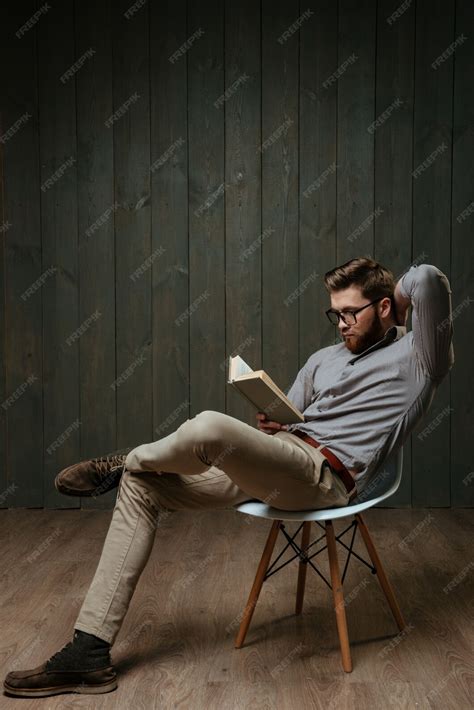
201 200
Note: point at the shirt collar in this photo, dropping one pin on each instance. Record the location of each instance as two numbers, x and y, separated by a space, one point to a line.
393 333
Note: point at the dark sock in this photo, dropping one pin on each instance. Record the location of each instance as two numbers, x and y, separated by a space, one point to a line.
85 652
89 640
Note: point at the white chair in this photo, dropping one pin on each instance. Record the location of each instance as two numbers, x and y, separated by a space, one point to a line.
384 482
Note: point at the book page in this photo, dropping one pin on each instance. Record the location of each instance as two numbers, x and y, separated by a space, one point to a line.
239 367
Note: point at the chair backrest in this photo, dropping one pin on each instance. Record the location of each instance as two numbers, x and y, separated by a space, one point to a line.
384 481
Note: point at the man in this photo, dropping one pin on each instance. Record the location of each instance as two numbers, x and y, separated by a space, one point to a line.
361 398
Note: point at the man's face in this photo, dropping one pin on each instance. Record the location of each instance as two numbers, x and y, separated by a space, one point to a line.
368 329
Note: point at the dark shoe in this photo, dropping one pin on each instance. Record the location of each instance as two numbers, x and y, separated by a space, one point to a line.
91 478
82 666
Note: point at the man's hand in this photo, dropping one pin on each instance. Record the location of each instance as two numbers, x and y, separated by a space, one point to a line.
268 426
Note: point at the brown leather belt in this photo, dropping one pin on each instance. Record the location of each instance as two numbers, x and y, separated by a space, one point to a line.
337 465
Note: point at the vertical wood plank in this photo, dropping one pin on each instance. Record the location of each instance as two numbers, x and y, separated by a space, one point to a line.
169 183
432 220
317 173
281 278
96 243
58 154
3 231
239 104
206 315
393 136
132 224
22 249
462 265
354 81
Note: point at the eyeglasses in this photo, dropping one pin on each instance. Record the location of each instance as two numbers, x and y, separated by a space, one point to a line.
349 317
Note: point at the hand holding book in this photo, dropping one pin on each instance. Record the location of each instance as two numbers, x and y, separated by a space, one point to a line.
262 392
267 426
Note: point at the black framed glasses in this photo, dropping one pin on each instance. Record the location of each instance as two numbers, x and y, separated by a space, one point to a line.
349 317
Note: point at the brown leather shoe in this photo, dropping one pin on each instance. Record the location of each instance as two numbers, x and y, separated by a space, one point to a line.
39 682
83 665
91 478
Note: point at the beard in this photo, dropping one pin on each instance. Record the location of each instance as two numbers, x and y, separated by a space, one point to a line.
361 341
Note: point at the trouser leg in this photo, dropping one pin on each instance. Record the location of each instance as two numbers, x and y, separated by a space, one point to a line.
142 501
280 468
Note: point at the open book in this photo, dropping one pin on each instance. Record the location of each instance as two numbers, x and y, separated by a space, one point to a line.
262 392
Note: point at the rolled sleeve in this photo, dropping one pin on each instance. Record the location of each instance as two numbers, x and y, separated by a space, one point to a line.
432 323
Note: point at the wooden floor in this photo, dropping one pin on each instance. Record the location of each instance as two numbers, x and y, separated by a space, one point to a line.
175 648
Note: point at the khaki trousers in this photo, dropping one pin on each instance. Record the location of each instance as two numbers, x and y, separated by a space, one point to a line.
211 461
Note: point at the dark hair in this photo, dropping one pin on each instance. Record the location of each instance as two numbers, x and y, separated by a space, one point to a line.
374 280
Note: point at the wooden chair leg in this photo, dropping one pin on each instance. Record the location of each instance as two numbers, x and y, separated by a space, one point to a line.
338 596
302 567
384 583
257 585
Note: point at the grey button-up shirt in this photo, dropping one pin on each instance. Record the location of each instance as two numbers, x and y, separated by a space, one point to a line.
364 406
